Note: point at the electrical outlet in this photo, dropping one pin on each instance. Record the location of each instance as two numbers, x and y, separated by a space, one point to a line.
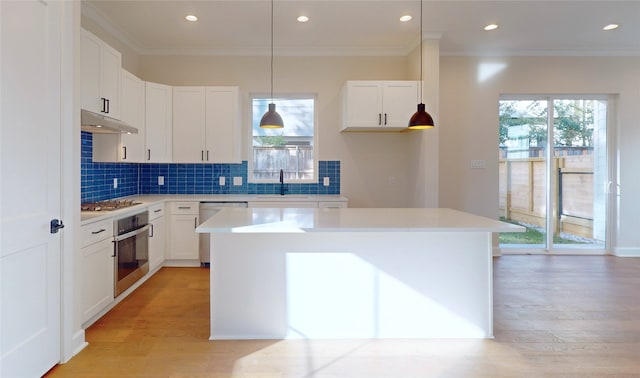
160 180
237 181
115 183
222 181
325 181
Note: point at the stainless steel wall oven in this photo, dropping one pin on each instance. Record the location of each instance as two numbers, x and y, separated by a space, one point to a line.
131 250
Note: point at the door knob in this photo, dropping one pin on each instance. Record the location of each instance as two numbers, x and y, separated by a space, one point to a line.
56 224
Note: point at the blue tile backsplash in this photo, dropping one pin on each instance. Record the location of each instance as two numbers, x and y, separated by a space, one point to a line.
133 178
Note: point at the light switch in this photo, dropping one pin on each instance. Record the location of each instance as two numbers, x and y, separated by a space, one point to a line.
325 181
222 181
237 181
115 183
160 180
478 164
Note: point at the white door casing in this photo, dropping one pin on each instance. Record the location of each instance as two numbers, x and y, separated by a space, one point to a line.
30 186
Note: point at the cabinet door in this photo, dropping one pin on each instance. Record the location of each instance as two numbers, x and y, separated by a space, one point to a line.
125 147
132 108
400 101
90 72
100 75
97 278
156 243
363 104
158 120
183 239
189 125
222 125
110 68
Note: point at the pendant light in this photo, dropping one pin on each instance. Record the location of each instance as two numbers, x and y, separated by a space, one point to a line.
421 119
271 119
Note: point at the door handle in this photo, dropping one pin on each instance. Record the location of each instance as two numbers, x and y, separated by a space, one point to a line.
55 226
124 149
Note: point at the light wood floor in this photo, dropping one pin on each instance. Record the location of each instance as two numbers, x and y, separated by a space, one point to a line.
569 316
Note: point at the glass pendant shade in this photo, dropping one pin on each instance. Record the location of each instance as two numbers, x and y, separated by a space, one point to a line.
421 119
271 119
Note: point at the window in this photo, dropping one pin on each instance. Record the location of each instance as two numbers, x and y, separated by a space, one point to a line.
290 148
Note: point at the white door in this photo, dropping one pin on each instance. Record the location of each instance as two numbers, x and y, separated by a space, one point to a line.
30 187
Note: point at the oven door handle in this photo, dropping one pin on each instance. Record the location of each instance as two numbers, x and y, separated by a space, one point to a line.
132 233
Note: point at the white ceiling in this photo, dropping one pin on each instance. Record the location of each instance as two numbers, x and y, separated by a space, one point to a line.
370 27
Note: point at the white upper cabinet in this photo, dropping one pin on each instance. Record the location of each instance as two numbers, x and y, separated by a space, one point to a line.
223 125
206 127
100 76
188 124
133 112
378 105
128 148
158 123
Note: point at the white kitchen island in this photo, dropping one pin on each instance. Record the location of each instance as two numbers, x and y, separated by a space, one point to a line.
351 273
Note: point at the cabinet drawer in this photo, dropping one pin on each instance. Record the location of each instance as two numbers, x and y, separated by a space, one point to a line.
332 205
95 232
156 211
185 207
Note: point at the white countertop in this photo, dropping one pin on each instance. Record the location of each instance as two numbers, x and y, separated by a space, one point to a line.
151 199
288 220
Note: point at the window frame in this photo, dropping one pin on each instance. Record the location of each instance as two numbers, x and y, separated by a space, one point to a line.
315 144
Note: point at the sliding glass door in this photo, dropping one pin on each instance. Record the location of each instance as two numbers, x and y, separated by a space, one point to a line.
553 172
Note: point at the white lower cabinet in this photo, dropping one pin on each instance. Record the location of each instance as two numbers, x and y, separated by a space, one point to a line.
299 204
284 204
183 239
98 268
156 236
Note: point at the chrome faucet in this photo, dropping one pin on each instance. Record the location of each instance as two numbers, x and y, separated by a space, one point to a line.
283 188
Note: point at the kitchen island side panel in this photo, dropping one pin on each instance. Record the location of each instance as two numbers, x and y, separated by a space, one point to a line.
351 285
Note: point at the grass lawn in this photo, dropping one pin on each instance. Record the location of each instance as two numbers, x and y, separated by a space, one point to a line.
531 236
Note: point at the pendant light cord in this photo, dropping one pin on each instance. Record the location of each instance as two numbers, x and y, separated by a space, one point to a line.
272 51
421 69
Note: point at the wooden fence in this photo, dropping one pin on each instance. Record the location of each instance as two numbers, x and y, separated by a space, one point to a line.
523 192
295 161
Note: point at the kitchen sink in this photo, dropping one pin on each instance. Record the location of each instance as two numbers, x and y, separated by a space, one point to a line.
279 196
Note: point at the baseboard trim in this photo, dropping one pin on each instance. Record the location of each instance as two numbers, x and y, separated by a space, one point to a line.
79 343
626 252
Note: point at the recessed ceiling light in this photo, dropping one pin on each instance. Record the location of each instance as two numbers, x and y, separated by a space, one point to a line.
191 18
405 18
303 18
611 27
491 27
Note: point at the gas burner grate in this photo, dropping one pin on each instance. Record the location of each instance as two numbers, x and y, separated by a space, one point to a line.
108 205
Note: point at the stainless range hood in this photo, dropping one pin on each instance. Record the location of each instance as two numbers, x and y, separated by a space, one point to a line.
101 124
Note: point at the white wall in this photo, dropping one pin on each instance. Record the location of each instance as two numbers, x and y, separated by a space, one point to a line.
469 91
367 159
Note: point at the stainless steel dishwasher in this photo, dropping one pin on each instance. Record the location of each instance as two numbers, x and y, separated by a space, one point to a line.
207 210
